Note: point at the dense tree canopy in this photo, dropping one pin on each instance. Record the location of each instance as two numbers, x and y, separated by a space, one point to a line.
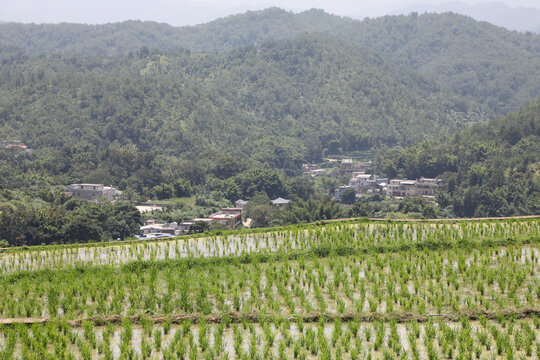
54 218
496 67
145 120
490 169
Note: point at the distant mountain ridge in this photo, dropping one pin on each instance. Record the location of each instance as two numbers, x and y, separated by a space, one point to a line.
497 67
497 13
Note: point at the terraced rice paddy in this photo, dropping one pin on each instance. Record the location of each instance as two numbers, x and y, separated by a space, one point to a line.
279 338
353 235
364 290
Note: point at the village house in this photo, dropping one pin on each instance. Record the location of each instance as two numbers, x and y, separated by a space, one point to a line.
280 201
363 183
422 187
155 229
92 192
346 167
308 168
426 186
14 144
241 204
231 217
318 172
338 192
366 183
184 226
313 170
349 167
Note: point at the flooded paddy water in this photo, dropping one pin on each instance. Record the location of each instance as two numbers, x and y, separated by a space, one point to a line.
355 234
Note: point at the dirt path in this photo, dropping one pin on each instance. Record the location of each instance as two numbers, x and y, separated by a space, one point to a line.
309 317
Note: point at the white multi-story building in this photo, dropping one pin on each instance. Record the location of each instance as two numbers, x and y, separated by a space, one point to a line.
92 191
422 187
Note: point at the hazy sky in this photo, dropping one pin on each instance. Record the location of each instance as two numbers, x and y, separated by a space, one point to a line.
189 12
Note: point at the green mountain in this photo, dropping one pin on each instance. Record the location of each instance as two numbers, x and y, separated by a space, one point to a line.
498 68
490 169
275 105
225 34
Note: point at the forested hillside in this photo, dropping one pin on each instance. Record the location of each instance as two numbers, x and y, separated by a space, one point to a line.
491 169
498 68
276 105
252 27
142 107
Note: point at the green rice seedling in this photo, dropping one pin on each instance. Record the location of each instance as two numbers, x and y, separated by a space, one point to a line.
346 340
167 325
193 353
354 354
281 351
180 349
146 349
372 305
186 325
127 334
413 345
300 324
336 334
89 333
431 350
146 324
311 344
238 339
379 335
297 350
86 352
204 340
536 321
353 326
367 334
158 338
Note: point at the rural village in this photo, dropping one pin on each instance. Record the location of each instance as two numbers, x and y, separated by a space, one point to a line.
359 183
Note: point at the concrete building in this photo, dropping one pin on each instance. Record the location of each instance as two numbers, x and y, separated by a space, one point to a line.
318 172
346 167
156 229
340 190
422 187
231 217
92 192
426 186
359 180
184 226
241 204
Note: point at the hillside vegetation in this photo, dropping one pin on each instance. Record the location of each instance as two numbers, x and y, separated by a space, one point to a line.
490 169
276 105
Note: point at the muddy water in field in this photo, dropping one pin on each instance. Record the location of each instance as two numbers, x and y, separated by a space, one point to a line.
120 254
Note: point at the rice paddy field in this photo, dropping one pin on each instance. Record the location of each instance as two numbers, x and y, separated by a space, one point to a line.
343 290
